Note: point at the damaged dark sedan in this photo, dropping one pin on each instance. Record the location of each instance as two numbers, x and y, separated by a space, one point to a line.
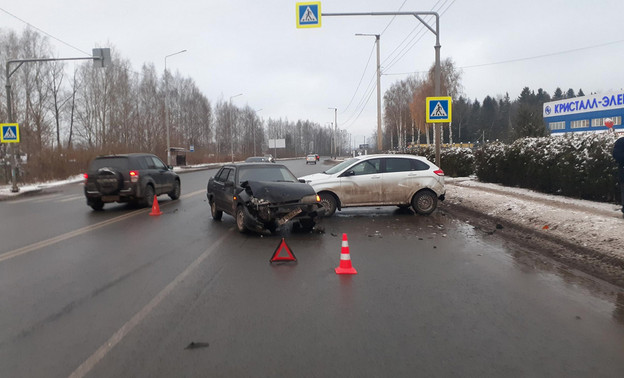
262 197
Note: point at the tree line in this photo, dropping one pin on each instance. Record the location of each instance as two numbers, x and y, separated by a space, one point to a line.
68 114
495 118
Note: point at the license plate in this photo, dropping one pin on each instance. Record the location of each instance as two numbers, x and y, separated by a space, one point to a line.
289 216
110 198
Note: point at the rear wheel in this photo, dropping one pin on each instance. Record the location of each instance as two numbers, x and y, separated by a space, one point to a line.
329 204
96 205
424 202
148 199
216 214
240 220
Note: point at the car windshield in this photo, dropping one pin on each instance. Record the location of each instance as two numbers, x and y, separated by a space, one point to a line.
341 166
120 163
266 173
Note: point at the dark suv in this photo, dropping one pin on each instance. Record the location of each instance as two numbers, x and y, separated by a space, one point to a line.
132 178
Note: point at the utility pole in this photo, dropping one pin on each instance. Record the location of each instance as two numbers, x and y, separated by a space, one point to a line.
167 108
379 135
335 150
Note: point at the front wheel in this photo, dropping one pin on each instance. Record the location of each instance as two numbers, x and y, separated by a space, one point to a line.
424 202
174 194
329 204
240 220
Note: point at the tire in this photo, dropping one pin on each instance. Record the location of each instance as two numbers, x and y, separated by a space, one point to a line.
216 214
108 181
239 216
97 205
306 225
148 193
329 204
174 194
424 202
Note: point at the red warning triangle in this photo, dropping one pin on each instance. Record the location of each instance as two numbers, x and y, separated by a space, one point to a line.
283 246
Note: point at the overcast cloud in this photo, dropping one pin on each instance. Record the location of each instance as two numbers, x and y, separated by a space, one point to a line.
254 48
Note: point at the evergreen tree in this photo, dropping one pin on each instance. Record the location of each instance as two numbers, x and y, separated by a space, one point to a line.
580 93
558 95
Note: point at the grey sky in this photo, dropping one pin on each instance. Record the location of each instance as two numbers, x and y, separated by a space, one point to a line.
253 47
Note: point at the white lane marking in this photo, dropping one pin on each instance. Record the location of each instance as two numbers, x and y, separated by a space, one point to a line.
71 198
35 199
44 243
125 329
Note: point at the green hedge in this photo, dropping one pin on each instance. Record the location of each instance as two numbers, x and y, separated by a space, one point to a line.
578 165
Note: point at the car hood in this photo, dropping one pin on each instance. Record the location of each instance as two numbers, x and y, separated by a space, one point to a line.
279 192
315 177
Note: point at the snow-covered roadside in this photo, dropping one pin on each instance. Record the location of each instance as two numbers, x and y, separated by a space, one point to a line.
592 225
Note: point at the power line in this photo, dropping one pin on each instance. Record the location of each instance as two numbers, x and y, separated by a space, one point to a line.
361 78
525 58
48 34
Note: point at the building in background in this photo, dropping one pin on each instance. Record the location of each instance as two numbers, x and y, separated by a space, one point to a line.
583 114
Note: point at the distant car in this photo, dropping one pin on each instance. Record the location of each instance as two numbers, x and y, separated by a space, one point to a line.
386 180
258 159
261 197
132 178
270 157
311 159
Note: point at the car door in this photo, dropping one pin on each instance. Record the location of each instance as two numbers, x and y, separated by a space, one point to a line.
361 184
162 175
223 189
402 177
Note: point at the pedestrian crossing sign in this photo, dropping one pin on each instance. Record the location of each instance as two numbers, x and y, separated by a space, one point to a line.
438 109
10 133
309 15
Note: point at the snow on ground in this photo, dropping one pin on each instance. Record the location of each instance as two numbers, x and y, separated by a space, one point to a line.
594 225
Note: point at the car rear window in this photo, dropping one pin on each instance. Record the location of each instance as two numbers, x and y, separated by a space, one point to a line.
117 162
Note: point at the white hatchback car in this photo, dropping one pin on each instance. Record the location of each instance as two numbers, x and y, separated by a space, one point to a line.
311 159
386 180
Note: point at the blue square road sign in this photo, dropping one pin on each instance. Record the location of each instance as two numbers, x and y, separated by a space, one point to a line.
9 133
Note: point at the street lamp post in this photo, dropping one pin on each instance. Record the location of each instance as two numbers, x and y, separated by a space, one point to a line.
232 126
254 131
335 130
379 136
166 108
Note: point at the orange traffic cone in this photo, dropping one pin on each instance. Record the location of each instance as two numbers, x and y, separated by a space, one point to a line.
155 207
345 259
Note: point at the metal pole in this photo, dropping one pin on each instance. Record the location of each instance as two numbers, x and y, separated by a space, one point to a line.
166 107
232 126
437 51
335 149
379 139
11 150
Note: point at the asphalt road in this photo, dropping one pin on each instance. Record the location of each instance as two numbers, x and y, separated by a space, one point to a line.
120 293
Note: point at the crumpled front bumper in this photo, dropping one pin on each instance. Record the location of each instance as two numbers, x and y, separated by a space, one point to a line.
275 217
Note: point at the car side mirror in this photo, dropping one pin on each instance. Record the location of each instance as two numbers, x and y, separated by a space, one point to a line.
302 181
170 167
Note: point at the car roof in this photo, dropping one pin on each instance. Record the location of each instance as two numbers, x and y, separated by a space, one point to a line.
372 156
125 155
253 164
